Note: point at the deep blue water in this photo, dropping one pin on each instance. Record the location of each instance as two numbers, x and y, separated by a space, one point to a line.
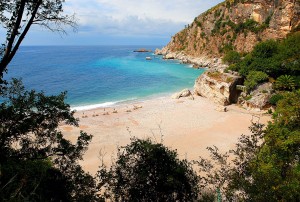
99 74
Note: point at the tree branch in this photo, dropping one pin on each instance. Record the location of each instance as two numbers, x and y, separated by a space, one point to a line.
14 33
20 39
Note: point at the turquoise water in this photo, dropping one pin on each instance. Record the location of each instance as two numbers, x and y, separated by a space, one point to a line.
97 76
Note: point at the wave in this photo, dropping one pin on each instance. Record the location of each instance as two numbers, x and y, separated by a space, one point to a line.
100 105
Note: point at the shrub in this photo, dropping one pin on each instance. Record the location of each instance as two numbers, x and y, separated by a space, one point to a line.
202 34
233 67
146 171
275 98
265 49
285 82
254 78
232 57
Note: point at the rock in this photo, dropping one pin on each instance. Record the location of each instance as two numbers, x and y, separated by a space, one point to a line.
191 97
260 96
183 93
198 40
195 66
185 61
219 87
170 56
221 109
142 50
158 52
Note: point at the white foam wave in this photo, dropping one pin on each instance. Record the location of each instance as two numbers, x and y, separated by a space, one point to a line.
88 107
101 105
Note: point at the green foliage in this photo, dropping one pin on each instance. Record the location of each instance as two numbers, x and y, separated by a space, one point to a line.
266 49
288 111
217 26
275 98
198 23
285 82
217 13
34 180
249 24
35 158
233 67
36 162
273 58
226 47
265 165
254 78
202 34
146 171
289 55
231 57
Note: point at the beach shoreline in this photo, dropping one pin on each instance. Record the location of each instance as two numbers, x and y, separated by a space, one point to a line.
189 126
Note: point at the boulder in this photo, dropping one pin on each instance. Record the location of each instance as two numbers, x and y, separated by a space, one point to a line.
196 66
221 108
183 93
219 87
260 96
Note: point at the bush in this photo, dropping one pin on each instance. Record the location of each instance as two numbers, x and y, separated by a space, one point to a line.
146 171
232 57
289 52
265 49
254 78
285 82
275 98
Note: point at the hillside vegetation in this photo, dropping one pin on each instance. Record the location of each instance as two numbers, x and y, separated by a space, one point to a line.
276 61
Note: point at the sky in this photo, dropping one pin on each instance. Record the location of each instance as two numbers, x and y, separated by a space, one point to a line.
120 22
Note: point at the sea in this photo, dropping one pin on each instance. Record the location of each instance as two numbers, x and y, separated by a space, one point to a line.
100 76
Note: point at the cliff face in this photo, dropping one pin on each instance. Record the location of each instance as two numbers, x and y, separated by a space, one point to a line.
236 25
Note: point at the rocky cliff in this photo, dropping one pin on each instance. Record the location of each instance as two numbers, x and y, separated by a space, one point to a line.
231 25
236 25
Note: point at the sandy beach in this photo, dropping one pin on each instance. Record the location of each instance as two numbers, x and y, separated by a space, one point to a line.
186 125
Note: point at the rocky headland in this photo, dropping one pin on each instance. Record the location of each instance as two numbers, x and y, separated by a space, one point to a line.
231 25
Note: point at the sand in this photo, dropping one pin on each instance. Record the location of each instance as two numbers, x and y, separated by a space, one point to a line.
189 126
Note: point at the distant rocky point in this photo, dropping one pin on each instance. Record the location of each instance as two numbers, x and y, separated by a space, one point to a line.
142 50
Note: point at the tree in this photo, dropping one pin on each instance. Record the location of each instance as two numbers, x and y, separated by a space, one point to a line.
146 171
33 152
17 17
273 58
289 53
265 49
36 162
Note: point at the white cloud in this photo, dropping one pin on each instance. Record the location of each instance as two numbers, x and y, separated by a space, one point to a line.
136 17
